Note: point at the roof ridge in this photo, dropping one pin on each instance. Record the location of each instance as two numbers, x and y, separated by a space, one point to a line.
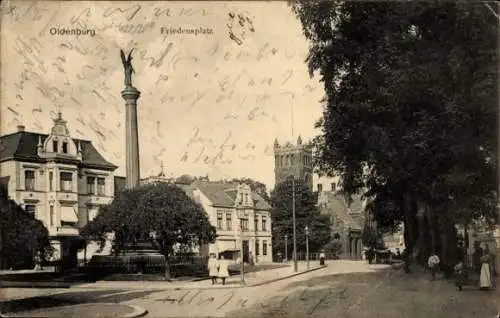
12 133
38 134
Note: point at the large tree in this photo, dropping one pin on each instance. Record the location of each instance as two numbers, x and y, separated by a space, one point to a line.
306 214
161 210
410 109
22 237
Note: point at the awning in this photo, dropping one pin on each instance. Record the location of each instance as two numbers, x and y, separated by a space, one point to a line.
231 250
68 214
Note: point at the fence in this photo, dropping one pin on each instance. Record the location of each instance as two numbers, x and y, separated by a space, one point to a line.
181 265
301 256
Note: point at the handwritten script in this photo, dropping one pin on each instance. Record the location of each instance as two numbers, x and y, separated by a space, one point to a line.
218 85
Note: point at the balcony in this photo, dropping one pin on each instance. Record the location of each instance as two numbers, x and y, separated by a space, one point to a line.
67 197
27 195
98 199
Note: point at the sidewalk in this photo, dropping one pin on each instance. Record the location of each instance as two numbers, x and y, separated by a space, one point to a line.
251 280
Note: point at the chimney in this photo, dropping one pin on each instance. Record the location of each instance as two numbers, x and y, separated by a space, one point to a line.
20 128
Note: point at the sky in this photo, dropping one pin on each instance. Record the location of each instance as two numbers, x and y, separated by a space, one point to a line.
211 103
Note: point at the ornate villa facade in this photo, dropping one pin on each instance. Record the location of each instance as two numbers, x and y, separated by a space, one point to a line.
61 180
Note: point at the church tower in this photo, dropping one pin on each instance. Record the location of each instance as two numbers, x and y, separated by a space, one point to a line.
293 160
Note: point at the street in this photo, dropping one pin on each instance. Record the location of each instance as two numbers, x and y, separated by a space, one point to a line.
343 289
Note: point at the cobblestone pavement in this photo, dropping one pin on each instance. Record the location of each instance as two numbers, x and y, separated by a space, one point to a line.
388 294
343 289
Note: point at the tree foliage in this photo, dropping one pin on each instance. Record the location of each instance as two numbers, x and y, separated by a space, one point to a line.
371 238
160 209
22 237
306 213
411 104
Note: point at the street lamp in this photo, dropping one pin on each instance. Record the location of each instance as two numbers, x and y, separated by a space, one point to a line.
307 246
295 269
286 248
241 216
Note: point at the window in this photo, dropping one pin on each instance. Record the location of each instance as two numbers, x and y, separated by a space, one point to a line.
51 215
51 181
257 247
334 186
219 220
100 186
246 198
264 248
29 180
65 147
264 223
91 185
244 224
54 146
30 208
66 181
256 221
229 223
320 187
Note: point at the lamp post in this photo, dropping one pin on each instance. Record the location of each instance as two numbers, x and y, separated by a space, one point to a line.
286 248
295 269
307 246
241 215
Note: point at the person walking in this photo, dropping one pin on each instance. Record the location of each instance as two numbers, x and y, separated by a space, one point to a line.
213 268
476 257
485 282
433 263
322 258
459 275
223 270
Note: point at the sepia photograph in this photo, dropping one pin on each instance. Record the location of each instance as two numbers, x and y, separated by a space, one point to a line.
319 158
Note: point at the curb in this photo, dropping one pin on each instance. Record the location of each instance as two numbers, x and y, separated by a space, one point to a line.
290 276
145 287
228 286
14 284
137 311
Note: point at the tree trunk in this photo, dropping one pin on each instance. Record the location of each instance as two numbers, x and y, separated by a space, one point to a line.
409 229
423 239
465 256
432 227
168 274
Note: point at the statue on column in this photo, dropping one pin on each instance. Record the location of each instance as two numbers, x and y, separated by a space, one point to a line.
127 66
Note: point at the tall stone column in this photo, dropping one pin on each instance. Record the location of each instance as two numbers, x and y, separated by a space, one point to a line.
130 94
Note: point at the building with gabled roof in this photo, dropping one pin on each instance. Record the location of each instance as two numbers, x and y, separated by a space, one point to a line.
62 181
241 217
347 221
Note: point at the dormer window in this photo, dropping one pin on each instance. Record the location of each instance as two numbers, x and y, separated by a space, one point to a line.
54 146
65 147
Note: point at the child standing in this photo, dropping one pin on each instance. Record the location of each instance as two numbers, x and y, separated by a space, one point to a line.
213 268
